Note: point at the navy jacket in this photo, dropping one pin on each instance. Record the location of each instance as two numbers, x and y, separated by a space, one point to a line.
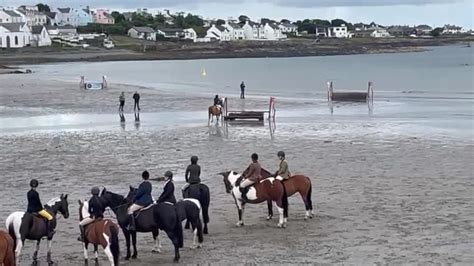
34 202
193 173
143 196
95 207
168 193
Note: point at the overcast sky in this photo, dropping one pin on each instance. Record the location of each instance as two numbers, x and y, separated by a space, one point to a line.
432 12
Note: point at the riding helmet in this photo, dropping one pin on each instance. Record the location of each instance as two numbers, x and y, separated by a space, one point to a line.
255 157
169 174
281 154
95 191
34 183
145 175
194 159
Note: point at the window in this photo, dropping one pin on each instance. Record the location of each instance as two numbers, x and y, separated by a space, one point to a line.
16 40
1 41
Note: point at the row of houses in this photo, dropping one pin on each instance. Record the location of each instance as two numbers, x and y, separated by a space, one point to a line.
59 16
18 35
250 31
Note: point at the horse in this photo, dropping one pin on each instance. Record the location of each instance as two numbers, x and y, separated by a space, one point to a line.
102 232
190 210
150 219
214 111
22 226
266 189
7 249
200 192
296 183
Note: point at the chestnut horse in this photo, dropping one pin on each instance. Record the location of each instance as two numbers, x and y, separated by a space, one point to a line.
102 232
214 111
267 189
7 249
296 183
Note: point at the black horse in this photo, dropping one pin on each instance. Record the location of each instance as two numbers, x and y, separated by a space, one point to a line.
190 209
152 219
201 193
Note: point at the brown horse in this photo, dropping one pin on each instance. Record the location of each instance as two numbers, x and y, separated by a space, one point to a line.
103 232
214 111
296 183
7 249
267 189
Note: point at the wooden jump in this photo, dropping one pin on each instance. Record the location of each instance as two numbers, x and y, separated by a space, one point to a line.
249 115
350 96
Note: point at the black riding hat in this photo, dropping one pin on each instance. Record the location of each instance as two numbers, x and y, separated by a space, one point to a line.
194 159
281 154
34 183
169 174
95 191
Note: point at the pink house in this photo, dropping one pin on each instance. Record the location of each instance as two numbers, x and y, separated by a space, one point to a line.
102 16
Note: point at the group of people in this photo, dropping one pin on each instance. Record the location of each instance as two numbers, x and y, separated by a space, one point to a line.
143 196
136 99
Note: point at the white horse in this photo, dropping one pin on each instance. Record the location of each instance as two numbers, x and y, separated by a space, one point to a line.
32 227
267 189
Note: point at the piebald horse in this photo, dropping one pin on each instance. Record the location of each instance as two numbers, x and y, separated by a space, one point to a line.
103 232
296 183
7 249
22 226
266 189
214 111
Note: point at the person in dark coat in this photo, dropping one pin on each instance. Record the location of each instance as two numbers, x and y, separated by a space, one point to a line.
136 98
142 199
168 190
193 173
122 101
35 207
242 90
96 211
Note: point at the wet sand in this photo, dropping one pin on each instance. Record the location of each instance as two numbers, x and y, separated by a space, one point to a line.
378 198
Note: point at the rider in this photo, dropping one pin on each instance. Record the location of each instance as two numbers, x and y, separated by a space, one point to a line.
218 102
283 172
96 211
193 173
168 190
251 175
35 206
142 199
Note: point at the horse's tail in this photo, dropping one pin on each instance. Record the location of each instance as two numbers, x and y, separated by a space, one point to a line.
308 196
11 231
178 231
205 198
284 201
114 244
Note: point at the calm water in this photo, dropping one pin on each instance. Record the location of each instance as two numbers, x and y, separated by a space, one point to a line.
427 90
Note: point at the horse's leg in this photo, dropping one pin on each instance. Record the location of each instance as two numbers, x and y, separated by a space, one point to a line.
281 222
240 212
35 254
270 210
306 205
186 226
86 255
109 254
205 217
96 254
175 239
48 255
134 243
156 237
126 233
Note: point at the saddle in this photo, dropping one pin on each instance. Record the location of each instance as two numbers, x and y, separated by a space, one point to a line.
137 213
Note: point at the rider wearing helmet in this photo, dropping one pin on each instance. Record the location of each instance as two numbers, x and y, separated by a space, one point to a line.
96 211
142 199
168 189
35 206
283 172
193 173
251 175
218 102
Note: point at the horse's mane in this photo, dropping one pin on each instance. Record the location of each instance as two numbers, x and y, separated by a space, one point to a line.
266 172
53 201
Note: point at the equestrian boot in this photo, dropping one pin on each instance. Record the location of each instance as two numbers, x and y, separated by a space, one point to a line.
131 223
83 233
244 191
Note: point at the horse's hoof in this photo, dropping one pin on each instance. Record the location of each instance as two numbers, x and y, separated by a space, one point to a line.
156 251
269 218
193 247
134 256
35 262
86 262
126 258
205 231
175 260
50 262
240 224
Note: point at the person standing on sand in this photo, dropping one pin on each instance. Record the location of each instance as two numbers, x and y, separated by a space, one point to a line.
242 90
122 101
136 98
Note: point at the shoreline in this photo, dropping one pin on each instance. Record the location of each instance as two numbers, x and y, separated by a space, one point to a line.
196 51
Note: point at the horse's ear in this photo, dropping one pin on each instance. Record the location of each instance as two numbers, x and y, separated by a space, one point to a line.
131 188
62 196
80 202
65 197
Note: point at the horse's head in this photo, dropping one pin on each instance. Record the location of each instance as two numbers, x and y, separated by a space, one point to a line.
131 194
60 205
83 209
230 178
110 199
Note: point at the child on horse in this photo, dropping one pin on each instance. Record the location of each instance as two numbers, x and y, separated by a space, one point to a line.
141 200
251 175
193 173
283 172
35 206
96 211
168 190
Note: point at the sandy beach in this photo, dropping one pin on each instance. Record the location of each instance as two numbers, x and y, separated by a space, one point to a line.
379 198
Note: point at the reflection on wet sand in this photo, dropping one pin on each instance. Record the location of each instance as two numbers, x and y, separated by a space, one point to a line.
223 131
122 120
137 121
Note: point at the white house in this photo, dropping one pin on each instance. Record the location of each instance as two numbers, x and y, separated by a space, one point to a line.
10 16
452 29
288 28
251 30
272 32
372 33
33 16
40 36
339 32
145 33
190 34
54 31
236 32
218 33
170 33
14 35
